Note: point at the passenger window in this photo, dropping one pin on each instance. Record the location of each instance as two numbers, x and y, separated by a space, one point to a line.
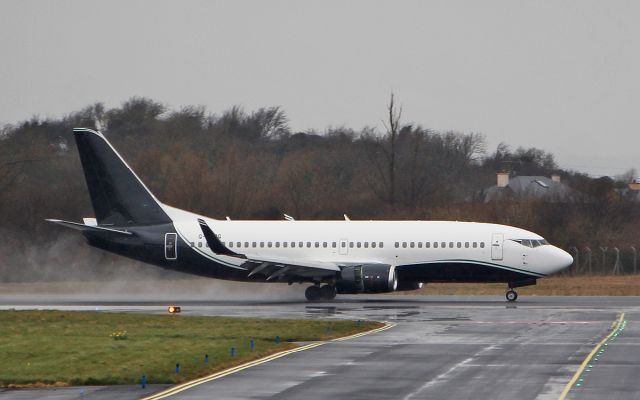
269 244
381 244
333 244
459 244
230 244
466 245
358 245
427 245
351 245
373 245
435 245
412 245
343 244
277 244
404 245
300 244
199 244
253 244
324 244
366 245
261 244
246 244
482 245
309 244
317 244
475 245
397 245
419 245
451 245
293 244
443 245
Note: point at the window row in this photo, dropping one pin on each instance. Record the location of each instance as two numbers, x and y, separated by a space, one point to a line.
443 245
352 245
309 245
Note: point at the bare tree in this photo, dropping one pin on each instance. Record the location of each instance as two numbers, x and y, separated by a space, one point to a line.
382 177
392 132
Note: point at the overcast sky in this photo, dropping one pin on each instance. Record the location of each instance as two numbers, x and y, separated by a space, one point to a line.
563 76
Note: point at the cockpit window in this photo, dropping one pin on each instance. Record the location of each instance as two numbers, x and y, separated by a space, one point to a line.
531 242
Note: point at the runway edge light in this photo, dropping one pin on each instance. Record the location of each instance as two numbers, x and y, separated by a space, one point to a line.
174 309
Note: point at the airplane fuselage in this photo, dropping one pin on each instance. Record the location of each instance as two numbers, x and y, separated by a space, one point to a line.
422 251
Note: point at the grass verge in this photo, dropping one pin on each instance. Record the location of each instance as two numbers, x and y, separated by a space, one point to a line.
77 348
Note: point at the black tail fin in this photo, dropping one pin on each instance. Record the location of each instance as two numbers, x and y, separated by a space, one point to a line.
118 196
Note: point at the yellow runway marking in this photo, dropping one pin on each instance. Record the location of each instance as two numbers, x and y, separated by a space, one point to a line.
615 327
187 385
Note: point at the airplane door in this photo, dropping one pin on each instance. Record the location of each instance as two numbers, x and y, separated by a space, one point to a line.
170 251
496 246
344 247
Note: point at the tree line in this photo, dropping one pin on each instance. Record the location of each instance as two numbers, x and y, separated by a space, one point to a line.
251 165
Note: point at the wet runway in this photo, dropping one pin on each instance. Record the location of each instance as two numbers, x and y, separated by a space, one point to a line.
442 347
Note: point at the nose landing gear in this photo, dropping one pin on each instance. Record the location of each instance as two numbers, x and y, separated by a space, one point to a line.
317 293
511 294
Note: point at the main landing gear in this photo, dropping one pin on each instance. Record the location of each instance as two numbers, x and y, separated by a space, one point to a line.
511 295
318 293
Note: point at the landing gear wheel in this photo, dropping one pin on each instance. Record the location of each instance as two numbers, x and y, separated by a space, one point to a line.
313 293
328 292
511 295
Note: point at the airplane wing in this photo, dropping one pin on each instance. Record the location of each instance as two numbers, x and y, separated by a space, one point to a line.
280 269
271 268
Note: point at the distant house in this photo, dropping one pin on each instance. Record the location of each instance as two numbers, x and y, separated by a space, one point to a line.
527 187
632 191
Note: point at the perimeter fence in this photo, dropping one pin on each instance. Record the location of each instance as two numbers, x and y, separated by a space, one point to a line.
603 260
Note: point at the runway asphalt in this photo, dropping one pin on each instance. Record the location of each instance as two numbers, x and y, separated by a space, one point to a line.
442 347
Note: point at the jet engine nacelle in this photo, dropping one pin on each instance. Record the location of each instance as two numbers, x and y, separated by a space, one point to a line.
367 278
406 286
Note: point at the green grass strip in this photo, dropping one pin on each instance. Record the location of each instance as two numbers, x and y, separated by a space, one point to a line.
96 348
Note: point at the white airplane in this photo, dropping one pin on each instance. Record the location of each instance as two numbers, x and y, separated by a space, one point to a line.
334 256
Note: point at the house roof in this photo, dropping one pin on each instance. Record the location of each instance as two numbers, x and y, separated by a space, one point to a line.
537 187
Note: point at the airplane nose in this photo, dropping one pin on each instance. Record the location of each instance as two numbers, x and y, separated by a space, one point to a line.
568 259
564 259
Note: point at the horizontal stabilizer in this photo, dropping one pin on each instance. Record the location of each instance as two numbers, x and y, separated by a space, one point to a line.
82 227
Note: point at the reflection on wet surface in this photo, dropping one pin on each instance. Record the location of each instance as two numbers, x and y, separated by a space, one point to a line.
321 310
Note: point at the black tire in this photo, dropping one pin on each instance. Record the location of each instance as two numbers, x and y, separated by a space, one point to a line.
313 293
328 292
511 295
